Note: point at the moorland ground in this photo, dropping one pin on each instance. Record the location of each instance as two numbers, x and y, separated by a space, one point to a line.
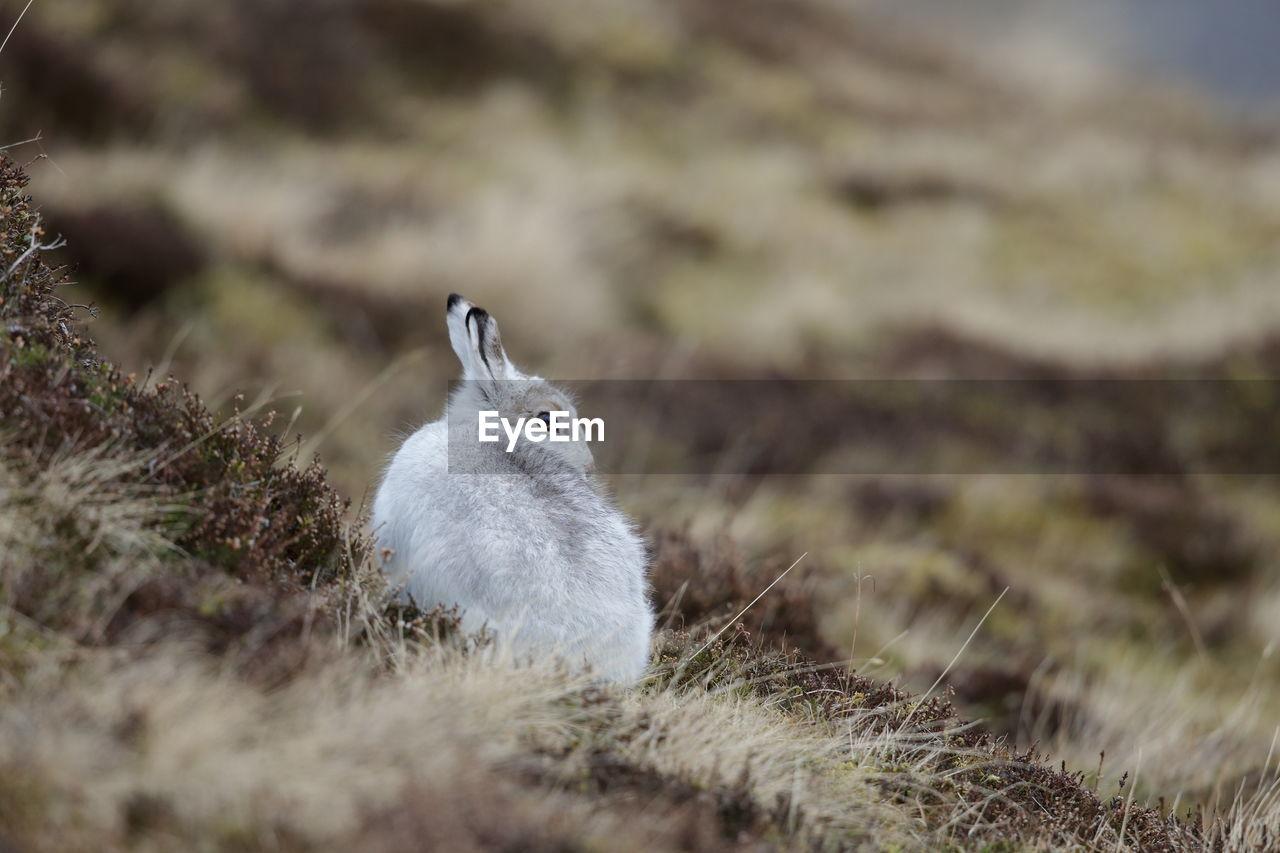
635 190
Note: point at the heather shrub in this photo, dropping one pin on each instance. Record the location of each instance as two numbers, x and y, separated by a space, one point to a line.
242 531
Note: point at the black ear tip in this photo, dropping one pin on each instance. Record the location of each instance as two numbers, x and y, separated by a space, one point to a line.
454 299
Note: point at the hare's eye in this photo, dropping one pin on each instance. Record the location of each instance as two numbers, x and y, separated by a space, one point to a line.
545 417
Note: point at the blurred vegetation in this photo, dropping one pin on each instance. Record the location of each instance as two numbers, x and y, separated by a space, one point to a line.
272 199
127 569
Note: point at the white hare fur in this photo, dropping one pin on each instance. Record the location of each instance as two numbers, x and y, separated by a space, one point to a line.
525 543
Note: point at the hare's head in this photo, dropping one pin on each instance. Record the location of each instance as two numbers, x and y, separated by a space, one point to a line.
491 383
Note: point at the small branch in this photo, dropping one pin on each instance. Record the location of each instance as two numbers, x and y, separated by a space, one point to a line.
972 634
1185 611
36 246
734 620
39 136
15 24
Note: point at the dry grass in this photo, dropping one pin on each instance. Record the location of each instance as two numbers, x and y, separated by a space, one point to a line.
150 743
160 698
630 188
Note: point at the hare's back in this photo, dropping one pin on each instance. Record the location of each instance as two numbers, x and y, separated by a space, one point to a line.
405 499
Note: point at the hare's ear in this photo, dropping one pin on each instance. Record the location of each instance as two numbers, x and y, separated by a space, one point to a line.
475 339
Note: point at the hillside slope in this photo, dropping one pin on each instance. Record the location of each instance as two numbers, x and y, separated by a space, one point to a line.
194 656
767 190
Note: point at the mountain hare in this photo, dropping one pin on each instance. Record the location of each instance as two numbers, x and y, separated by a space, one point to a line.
523 541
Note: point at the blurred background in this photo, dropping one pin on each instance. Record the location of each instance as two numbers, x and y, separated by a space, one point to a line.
273 197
